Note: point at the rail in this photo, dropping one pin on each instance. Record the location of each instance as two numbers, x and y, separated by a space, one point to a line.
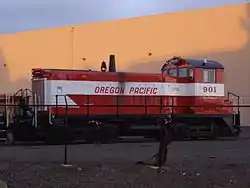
116 104
143 105
20 91
25 94
65 100
160 104
122 105
237 97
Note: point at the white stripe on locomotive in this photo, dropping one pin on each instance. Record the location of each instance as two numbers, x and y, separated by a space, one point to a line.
135 88
68 87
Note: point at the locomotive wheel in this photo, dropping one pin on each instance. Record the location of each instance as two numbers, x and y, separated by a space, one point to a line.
103 134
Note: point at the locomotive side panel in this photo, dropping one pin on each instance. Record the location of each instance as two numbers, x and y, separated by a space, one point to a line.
98 93
108 98
91 97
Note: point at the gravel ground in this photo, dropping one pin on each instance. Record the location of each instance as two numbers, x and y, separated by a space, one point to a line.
193 164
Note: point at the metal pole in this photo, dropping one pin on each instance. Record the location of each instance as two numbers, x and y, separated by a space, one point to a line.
66 141
72 47
66 135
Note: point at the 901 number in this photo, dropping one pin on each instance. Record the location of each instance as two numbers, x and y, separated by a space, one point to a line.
209 89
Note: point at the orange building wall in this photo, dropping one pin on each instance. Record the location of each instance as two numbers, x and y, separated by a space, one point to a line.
221 33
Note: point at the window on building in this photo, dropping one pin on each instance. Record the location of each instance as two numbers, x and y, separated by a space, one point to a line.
209 76
183 72
172 72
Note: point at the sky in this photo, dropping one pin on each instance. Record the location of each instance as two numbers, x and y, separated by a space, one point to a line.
23 15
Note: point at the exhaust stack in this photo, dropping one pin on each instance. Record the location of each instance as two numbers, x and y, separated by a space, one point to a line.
112 66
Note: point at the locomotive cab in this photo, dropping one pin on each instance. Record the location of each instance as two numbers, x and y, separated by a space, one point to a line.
206 96
206 84
206 76
205 80
200 71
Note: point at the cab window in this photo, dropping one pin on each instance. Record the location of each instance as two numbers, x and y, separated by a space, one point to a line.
165 71
172 72
209 75
183 72
190 73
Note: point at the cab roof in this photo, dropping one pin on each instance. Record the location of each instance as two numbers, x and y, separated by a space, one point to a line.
197 63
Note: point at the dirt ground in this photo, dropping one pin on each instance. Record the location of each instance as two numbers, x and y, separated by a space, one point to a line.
191 164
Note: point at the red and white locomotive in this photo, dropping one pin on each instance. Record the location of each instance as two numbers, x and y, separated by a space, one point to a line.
115 104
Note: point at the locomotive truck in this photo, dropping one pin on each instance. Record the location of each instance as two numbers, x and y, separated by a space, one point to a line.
106 105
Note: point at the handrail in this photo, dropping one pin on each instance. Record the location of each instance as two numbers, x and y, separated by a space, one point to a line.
24 93
6 110
145 103
237 98
230 93
20 90
86 105
170 103
35 110
34 97
173 102
66 113
57 104
65 100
